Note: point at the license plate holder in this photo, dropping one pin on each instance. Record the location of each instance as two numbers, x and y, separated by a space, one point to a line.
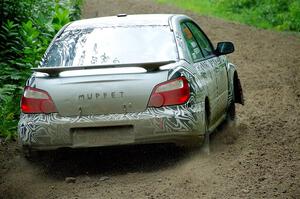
102 136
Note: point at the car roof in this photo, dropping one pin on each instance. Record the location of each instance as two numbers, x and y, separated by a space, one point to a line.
123 21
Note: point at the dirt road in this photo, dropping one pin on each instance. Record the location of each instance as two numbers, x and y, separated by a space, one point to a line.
256 158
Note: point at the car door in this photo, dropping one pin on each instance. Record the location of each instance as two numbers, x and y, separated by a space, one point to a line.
205 71
217 63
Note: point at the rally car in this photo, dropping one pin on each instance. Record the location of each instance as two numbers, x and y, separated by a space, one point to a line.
128 79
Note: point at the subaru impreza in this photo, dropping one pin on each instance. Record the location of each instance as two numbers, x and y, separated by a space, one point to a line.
126 80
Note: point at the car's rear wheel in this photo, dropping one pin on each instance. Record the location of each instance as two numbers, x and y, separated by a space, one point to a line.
231 112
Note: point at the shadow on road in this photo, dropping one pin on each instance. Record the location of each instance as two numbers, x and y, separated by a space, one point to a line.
109 161
128 159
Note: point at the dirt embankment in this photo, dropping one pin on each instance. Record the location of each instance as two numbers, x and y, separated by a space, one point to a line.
258 157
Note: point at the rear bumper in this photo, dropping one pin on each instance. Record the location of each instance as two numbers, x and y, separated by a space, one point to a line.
177 124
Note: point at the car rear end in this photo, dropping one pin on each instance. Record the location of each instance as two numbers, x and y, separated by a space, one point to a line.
103 85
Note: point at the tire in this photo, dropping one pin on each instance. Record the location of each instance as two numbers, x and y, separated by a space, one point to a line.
231 113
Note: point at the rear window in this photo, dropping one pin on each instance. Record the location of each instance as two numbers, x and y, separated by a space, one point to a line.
112 45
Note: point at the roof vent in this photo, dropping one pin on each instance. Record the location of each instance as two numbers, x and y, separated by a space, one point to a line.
122 15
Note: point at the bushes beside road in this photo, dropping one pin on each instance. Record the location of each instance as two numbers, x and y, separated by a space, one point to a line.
26 29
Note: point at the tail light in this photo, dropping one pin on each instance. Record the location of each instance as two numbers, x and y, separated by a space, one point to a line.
36 101
173 92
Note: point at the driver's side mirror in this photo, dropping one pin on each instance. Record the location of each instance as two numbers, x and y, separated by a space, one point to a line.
224 48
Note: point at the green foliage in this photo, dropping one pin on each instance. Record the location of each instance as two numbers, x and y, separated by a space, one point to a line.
61 17
8 113
278 14
283 15
26 29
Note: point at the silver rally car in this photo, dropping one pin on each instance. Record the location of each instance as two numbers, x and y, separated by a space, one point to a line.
125 80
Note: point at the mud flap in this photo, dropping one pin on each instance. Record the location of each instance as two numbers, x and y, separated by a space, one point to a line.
206 144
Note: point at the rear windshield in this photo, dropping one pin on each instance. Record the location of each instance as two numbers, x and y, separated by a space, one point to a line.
113 45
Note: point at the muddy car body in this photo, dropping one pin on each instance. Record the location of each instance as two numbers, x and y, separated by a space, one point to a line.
128 80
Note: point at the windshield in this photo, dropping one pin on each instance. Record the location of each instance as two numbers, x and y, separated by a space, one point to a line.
112 45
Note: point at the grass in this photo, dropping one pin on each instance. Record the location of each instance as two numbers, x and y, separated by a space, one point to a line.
282 15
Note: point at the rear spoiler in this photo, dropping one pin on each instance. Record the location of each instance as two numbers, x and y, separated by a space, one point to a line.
54 71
